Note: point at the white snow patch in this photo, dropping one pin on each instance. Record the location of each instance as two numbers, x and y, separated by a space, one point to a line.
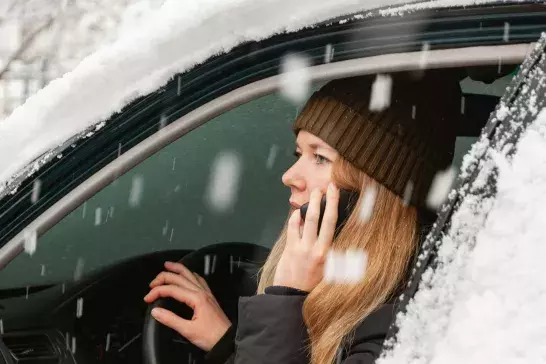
380 98
295 78
486 301
441 185
348 267
409 7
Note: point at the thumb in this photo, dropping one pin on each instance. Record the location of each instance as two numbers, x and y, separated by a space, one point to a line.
171 320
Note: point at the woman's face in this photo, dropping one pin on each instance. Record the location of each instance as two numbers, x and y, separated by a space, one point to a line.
313 168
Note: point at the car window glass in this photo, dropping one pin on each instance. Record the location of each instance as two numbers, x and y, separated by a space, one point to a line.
219 183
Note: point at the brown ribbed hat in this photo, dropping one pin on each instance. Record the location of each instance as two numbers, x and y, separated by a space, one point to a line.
407 143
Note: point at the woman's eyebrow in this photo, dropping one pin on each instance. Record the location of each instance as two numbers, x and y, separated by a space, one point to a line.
315 146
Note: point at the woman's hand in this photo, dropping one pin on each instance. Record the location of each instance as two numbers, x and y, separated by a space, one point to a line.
208 324
302 263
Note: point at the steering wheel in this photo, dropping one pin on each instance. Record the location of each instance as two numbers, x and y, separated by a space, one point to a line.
230 270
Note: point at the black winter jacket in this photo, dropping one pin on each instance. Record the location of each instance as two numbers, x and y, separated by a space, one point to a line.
270 329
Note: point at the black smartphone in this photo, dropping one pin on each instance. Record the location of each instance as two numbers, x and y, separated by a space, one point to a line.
347 202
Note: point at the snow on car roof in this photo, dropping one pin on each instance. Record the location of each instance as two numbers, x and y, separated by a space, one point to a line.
179 36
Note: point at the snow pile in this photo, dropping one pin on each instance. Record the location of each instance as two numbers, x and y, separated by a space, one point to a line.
486 301
176 37
434 4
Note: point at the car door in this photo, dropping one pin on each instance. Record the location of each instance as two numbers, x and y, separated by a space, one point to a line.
452 239
134 184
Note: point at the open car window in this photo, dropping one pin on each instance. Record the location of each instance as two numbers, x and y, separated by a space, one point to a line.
218 183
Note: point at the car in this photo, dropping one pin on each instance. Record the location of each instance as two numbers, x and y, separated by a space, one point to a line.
191 171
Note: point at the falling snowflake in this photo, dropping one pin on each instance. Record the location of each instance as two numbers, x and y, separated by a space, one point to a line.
423 58
98 216
162 122
31 241
295 78
79 307
380 98
166 228
506 35
408 192
368 203
221 193
135 195
441 185
207 265
273 151
328 53
345 267
78 272
36 191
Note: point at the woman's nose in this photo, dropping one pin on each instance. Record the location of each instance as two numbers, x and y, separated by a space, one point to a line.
293 178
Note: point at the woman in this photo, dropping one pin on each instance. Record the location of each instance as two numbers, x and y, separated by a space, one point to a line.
296 317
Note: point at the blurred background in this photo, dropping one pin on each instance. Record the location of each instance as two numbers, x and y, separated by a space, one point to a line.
44 39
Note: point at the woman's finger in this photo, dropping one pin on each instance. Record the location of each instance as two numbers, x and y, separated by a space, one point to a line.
169 319
328 227
310 227
174 279
203 282
293 230
183 295
182 270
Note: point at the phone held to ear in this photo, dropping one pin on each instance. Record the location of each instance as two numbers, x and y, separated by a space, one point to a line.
347 201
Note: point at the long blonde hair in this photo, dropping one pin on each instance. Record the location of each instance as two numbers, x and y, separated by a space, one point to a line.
390 238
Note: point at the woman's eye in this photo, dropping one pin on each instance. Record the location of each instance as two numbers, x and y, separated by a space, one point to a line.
320 159
297 155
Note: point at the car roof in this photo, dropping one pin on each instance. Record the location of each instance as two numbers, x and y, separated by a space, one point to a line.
140 63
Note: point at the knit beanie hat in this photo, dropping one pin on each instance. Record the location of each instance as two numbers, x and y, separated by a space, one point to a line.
403 146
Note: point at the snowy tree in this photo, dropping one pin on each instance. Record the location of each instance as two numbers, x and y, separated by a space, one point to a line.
42 40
